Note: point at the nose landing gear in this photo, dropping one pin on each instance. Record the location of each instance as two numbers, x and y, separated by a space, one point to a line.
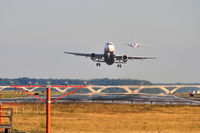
119 65
98 64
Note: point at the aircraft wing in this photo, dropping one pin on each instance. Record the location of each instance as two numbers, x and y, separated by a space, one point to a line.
140 57
134 57
100 56
79 54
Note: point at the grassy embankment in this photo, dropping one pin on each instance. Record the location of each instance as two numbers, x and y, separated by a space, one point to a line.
109 118
15 94
12 94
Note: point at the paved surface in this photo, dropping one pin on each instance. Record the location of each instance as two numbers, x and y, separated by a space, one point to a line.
135 98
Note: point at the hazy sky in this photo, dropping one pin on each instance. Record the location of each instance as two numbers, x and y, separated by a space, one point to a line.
35 33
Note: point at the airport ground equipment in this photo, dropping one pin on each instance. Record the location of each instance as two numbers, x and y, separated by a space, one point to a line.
48 96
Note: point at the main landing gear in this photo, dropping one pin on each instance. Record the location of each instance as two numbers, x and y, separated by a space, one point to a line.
119 65
98 64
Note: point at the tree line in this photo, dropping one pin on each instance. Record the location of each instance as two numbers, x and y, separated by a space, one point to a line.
105 81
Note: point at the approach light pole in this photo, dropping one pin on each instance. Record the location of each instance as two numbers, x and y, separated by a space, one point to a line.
48 108
48 96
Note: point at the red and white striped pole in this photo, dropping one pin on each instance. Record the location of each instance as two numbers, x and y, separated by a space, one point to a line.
48 109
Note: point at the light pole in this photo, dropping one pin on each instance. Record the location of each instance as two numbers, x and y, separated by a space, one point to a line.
48 97
48 107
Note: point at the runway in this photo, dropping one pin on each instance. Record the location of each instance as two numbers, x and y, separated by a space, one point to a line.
134 98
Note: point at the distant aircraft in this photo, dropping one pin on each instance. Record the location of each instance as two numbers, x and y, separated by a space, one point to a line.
109 57
135 45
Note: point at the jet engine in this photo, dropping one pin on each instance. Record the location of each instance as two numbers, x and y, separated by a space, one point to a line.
93 56
124 58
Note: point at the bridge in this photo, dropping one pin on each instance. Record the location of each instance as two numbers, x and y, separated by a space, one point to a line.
129 89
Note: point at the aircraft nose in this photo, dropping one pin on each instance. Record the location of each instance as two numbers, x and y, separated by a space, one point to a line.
111 48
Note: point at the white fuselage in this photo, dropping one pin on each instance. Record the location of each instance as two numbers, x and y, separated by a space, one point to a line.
109 53
109 47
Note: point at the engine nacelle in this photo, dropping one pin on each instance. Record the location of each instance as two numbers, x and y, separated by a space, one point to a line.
124 58
93 56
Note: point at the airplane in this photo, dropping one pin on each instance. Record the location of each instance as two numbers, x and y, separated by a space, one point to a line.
135 45
109 56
